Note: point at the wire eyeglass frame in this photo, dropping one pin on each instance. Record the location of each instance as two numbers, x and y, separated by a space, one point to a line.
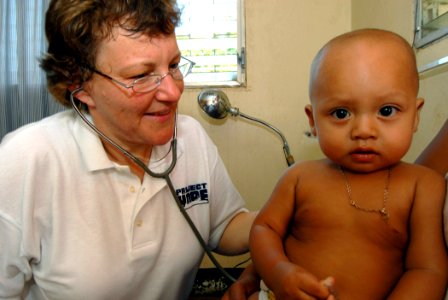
151 81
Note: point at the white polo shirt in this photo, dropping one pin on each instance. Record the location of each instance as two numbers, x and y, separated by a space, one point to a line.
75 225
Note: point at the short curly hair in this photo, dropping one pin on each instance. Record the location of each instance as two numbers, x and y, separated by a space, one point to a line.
74 29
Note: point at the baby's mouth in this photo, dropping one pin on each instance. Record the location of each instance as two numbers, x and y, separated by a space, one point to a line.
363 155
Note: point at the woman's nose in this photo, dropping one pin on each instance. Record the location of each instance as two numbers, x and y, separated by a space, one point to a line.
364 127
169 89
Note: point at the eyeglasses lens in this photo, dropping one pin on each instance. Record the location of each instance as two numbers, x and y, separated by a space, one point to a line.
148 83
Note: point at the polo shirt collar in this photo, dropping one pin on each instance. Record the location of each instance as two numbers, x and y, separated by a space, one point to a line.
92 151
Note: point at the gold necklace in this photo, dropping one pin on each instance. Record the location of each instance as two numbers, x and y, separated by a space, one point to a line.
383 210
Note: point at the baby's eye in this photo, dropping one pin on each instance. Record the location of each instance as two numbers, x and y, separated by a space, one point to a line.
340 113
388 111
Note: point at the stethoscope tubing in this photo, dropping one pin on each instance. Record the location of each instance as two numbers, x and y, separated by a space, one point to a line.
165 175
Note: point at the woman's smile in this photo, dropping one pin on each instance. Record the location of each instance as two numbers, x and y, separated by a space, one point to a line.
160 116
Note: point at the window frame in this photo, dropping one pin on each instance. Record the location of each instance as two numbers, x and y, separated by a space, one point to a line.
241 57
420 39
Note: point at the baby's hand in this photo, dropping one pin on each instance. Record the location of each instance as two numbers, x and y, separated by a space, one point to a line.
329 283
292 282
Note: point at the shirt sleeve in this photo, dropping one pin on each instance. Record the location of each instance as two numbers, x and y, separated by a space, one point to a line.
226 202
14 268
15 187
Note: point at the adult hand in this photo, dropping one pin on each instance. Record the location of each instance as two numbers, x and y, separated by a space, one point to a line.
247 284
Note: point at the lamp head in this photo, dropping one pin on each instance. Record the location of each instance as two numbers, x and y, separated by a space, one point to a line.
214 103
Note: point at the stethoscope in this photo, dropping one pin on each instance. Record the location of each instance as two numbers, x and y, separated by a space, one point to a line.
164 175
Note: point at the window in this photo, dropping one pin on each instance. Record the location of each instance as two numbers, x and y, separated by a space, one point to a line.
211 34
431 21
21 24
23 93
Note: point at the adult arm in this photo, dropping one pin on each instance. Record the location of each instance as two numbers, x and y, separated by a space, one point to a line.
426 265
235 239
435 155
247 284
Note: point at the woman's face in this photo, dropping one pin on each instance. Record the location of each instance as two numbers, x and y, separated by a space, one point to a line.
136 121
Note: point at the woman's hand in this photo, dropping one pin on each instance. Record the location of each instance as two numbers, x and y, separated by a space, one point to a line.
247 284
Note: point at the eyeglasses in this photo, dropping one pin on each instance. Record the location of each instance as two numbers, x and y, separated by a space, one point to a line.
152 81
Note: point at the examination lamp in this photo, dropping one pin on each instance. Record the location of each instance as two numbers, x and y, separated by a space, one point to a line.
215 104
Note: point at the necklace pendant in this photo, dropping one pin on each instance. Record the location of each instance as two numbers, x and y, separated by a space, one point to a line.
383 211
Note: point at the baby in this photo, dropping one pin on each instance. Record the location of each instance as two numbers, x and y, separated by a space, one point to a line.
361 223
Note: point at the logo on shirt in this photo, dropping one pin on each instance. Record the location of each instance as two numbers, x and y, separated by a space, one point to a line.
193 194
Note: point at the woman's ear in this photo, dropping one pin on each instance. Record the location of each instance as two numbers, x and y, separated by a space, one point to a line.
309 113
83 95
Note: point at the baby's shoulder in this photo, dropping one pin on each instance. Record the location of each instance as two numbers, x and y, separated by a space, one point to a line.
311 169
420 179
419 172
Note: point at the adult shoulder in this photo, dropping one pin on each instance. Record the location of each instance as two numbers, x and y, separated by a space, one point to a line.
37 139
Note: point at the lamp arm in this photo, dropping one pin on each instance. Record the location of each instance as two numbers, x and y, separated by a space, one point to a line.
288 156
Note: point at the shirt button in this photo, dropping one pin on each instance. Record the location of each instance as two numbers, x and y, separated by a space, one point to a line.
132 189
139 223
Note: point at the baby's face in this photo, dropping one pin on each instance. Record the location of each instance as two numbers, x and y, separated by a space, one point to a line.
364 106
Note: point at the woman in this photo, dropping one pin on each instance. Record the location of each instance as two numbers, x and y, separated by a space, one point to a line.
83 220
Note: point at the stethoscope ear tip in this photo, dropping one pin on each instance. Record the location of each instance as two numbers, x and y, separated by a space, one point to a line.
73 90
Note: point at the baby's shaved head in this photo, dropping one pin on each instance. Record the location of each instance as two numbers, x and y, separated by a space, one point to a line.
388 45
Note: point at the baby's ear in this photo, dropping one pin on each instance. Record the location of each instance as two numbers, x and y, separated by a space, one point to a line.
309 113
419 104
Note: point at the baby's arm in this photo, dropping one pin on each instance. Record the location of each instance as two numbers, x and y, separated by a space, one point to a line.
426 262
435 156
285 279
